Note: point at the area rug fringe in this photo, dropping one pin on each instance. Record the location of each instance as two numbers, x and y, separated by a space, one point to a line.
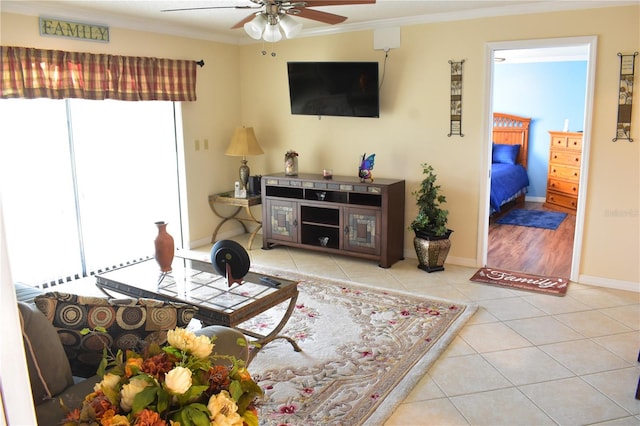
389 402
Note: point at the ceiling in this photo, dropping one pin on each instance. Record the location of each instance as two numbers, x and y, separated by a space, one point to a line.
215 24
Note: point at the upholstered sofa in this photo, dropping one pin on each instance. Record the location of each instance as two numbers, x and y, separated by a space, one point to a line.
45 338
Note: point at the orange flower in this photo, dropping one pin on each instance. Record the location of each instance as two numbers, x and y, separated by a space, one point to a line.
73 416
133 366
102 406
244 374
157 366
147 417
112 419
218 379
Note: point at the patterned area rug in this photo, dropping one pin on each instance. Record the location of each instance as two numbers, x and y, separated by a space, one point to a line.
363 350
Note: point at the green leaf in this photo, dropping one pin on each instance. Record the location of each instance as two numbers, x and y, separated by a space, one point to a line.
235 390
163 400
250 418
144 398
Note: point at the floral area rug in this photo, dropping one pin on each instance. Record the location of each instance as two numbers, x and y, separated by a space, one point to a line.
363 350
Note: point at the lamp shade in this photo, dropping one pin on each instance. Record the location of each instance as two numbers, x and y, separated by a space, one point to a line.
290 26
255 27
272 33
243 143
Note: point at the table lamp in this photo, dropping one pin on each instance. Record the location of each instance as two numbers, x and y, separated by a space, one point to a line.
244 143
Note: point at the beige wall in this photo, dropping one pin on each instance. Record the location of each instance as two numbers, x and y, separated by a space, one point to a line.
240 86
413 126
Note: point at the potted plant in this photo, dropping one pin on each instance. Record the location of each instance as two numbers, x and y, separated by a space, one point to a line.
431 240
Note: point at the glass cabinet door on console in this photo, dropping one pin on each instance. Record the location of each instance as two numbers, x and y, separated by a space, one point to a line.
362 230
283 220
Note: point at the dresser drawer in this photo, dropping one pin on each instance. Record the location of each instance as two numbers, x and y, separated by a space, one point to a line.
569 188
568 158
562 200
566 141
558 141
574 142
564 172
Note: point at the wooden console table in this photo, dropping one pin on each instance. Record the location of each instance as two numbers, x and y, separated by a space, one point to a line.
341 215
227 198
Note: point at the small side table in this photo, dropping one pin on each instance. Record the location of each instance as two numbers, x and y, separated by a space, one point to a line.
227 198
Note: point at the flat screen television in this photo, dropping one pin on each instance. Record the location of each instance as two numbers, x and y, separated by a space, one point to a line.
334 88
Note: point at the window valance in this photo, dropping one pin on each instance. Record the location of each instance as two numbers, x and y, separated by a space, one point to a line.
36 73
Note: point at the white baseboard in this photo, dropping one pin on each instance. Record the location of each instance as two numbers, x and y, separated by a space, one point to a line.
609 283
535 199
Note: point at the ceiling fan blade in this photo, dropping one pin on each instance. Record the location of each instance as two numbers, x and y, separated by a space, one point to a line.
211 7
316 15
320 3
244 21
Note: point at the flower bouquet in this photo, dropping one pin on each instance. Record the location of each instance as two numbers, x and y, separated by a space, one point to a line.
178 384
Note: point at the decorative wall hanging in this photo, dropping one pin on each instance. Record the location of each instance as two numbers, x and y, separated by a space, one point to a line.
456 98
77 30
625 96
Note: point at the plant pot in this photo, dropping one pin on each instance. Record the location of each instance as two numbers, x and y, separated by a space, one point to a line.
431 250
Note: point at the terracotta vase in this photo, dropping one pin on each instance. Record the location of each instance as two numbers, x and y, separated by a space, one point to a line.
164 247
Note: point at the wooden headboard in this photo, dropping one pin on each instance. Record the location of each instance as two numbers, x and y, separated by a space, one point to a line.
512 130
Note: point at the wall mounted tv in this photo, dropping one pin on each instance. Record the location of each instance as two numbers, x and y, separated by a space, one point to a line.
334 88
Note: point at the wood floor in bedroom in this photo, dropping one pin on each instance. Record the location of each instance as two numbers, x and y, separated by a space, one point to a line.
532 250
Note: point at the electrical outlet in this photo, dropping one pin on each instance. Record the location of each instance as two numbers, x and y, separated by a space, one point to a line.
197 145
206 144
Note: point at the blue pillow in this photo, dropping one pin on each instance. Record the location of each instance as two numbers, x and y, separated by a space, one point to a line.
506 154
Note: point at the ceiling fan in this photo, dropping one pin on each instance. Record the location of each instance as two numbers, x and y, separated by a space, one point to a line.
274 16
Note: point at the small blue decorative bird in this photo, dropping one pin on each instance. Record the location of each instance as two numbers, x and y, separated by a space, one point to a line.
364 171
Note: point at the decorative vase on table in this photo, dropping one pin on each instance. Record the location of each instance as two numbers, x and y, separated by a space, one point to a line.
164 247
291 163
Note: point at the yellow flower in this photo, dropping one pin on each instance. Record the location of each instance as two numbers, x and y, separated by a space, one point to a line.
224 411
109 381
178 380
130 390
201 347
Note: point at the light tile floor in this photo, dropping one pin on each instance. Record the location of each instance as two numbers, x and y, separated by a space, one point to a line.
522 359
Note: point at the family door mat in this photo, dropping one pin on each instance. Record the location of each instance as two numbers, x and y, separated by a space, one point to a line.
517 280
533 218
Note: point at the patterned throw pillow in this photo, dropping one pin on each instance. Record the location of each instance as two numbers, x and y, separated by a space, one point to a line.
130 324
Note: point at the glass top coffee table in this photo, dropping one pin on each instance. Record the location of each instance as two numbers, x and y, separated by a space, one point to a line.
196 283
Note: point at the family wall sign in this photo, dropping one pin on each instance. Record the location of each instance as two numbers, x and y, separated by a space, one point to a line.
77 30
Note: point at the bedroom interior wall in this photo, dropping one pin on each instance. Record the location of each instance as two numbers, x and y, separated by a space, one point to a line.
548 93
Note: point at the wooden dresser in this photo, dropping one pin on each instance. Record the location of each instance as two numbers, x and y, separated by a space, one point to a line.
565 159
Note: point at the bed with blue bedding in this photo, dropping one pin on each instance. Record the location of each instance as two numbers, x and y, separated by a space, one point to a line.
509 179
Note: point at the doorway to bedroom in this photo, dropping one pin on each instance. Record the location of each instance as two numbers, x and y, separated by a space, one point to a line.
550 82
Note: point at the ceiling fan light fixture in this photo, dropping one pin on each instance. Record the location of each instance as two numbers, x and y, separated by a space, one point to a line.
272 33
256 26
290 26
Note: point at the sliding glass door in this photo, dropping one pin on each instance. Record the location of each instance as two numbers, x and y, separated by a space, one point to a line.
83 183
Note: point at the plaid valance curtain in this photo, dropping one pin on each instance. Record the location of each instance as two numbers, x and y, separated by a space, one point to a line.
55 74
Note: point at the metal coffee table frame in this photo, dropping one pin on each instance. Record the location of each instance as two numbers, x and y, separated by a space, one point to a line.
197 284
